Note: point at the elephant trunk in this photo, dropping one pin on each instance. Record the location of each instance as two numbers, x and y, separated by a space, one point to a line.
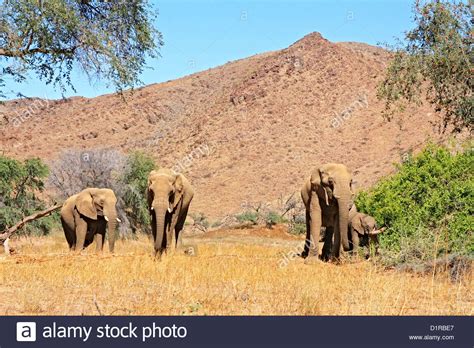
343 200
160 210
110 214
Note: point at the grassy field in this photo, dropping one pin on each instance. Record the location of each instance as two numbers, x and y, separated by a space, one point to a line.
238 272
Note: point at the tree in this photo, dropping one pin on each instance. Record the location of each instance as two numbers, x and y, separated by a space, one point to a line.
434 60
107 40
20 186
133 185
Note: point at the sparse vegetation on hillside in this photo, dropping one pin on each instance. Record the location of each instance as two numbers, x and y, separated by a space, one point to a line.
435 62
427 206
20 185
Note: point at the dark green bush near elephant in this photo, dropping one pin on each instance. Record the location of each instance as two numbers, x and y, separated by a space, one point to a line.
20 184
134 181
427 206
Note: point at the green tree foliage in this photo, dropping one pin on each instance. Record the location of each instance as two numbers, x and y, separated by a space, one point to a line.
20 184
108 40
134 182
435 61
427 205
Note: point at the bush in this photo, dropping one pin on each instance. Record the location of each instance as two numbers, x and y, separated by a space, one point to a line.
248 216
272 218
297 228
20 184
427 206
133 190
75 170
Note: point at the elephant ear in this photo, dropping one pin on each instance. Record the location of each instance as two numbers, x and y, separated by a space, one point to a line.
316 183
179 190
85 205
149 196
315 179
357 224
149 192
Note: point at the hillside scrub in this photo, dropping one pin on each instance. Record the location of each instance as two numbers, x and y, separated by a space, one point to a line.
427 206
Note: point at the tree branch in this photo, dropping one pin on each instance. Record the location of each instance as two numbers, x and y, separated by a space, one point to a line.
31 51
8 232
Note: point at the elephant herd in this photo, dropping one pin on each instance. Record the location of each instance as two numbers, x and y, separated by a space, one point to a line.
327 195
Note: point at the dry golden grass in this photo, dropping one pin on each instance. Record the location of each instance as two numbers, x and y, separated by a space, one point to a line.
225 278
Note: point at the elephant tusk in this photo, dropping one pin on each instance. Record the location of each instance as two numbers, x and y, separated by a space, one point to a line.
376 232
169 210
152 208
106 218
326 195
118 220
6 246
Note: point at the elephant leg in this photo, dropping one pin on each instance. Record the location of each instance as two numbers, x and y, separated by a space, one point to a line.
170 232
153 226
100 234
336 243
307 242
315 225
99 242
179 227
355 241
326 252
70 235
81 231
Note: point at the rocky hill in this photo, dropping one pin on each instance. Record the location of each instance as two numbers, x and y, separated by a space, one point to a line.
247 131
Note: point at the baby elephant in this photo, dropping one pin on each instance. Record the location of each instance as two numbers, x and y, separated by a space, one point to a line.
85 217
363 231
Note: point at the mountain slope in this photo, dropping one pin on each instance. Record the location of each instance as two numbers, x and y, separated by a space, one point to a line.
253 127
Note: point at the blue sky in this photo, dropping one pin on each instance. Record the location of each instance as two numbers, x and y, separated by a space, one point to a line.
203 34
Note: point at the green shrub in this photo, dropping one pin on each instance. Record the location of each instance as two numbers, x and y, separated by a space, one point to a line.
272 218
297 228
134 185
427 205
20 184
248 216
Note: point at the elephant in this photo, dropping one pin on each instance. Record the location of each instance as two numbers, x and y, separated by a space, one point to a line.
362 231
327 195
169 195
85 217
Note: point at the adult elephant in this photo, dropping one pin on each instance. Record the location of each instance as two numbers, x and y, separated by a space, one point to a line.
169 195
363 231
327 196
86 216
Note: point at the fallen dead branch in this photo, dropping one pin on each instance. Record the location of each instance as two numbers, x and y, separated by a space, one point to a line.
5 235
